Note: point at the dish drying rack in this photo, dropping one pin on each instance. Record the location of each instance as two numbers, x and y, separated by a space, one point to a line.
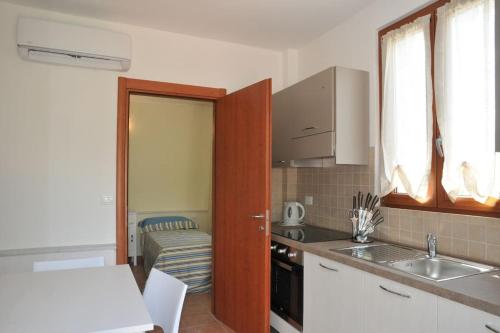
365 216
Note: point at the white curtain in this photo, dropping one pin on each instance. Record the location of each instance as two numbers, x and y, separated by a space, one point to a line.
407 109
465 98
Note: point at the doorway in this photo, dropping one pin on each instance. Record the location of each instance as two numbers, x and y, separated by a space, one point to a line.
241 196
170 187
126 87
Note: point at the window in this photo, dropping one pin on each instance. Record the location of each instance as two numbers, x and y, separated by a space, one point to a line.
437 100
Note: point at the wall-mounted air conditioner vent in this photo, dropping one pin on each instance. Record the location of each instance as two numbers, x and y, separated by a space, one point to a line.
65 44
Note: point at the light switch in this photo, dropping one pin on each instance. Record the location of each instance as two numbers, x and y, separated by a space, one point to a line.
107 199
308 200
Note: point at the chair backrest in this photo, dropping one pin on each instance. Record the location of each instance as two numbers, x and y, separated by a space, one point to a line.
55 265
164 298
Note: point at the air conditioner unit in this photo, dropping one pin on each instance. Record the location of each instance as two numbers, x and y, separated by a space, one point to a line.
67 44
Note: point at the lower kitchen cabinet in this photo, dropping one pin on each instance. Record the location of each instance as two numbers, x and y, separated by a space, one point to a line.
339 298
454 317
390 307
333 296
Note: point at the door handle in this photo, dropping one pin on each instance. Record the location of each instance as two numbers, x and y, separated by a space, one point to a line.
264 217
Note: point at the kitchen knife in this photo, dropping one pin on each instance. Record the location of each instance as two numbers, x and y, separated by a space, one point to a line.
368 198
378 221
359 199
374 202
353 202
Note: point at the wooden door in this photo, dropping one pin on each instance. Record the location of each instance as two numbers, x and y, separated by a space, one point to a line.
241 232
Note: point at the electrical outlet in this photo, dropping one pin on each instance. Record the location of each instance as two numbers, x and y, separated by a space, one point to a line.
107 200
308 200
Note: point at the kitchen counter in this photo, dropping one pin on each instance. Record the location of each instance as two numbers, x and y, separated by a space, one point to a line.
480 291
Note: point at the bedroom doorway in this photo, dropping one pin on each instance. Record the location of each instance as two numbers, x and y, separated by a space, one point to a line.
170 186
126 88
241 196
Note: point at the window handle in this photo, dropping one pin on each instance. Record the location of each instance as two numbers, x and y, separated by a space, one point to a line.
439 146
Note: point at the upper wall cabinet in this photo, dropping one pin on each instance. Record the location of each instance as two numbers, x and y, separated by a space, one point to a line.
325 115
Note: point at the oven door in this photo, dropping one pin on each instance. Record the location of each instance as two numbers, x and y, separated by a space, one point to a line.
287 291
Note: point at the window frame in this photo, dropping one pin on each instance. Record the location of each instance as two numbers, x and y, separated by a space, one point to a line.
438 198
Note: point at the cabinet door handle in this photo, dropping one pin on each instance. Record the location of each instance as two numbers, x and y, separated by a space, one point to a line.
491 328
394 292
309 128
329 268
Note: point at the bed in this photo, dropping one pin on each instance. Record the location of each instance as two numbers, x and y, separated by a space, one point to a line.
174 245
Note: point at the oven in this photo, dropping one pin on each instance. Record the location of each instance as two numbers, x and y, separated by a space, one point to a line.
287 283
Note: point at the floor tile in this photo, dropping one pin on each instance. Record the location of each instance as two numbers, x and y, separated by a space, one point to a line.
197 320
216 328
196 315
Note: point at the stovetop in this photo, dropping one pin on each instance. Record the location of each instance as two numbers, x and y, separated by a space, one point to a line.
309 234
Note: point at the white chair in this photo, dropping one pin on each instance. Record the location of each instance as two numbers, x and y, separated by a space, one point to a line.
164 298
55 265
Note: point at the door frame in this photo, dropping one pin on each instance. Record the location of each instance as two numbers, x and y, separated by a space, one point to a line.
126 86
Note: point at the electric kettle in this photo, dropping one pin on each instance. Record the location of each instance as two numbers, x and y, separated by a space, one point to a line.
293 213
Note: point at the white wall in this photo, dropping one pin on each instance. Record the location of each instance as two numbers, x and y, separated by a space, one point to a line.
58 126
354 44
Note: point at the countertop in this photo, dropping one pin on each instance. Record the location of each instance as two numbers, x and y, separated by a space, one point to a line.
480 291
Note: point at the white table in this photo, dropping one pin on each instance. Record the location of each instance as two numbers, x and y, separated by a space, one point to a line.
103 299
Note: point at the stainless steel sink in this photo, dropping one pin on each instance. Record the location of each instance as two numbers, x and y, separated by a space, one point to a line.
440 268
380 253
415 262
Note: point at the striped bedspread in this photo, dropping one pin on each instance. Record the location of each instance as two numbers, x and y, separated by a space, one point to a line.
184 254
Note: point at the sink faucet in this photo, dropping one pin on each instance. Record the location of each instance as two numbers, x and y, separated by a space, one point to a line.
431 245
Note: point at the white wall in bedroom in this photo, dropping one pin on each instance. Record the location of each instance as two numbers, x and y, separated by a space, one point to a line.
170 158
58 126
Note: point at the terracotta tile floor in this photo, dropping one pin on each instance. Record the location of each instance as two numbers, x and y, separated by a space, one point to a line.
196 314
197 317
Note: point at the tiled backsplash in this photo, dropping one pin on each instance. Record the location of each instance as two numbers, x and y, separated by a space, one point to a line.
473 237
277 190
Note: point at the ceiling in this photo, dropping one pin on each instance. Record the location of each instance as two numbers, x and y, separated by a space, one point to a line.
274 24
